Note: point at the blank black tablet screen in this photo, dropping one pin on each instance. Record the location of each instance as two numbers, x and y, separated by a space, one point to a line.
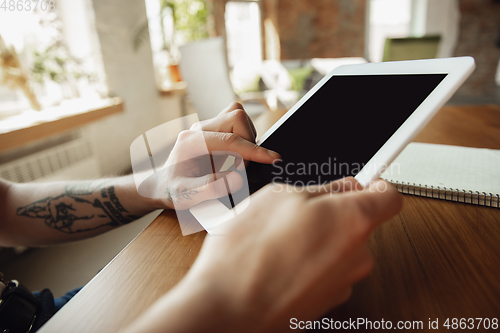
338 129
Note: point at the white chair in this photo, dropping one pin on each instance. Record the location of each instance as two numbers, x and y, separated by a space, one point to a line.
277 79
326 65
204 68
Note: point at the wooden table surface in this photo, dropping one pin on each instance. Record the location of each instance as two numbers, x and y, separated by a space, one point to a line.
436 259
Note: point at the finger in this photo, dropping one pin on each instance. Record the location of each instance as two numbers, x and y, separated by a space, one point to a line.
378 202
231 107
227 161
252 125
194 144
230 142
200 189
199 182
368 208
237 122
219 185
338 186
238 106
234 121
242 124
220 161
351 184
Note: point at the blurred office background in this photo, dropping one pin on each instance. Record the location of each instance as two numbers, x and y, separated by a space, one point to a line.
88 77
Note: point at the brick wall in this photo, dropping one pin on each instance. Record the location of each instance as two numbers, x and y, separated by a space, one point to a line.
308 28
321 28
479 29
216 22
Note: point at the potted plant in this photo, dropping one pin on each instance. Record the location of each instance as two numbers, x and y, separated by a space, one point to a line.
189 18
167 8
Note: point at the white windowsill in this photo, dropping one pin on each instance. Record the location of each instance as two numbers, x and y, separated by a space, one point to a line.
28 126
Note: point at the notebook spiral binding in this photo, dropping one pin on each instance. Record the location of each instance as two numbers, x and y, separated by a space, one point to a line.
449 194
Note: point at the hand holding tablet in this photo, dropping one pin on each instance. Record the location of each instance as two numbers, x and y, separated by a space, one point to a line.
354 122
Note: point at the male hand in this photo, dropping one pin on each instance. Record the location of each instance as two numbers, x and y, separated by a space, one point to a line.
293 253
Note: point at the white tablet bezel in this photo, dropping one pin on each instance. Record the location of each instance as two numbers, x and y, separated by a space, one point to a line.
457 70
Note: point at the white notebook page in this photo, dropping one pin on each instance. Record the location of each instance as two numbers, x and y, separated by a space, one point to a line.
462 168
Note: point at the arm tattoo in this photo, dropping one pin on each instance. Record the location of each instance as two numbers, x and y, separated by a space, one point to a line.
69 212
176 195
84 188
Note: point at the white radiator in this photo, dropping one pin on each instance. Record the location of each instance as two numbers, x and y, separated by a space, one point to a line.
72 160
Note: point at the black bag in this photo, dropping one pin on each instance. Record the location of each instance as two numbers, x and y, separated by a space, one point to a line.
19 308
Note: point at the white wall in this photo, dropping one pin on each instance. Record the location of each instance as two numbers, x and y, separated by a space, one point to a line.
443 18
388 19
130 75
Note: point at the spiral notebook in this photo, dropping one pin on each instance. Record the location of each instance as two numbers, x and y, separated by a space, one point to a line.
462 174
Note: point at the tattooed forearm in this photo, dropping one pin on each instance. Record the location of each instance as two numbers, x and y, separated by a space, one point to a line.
113 208
176 195
75 211
84 188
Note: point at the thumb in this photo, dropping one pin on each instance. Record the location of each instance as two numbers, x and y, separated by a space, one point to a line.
208 187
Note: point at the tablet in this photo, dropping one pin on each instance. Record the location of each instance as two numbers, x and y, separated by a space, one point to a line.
354 122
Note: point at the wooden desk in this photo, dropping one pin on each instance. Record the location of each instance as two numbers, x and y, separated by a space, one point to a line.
436 259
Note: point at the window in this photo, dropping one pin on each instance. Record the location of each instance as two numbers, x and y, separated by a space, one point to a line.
161 33
173 23
388 18
17 29
58 50
243 32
